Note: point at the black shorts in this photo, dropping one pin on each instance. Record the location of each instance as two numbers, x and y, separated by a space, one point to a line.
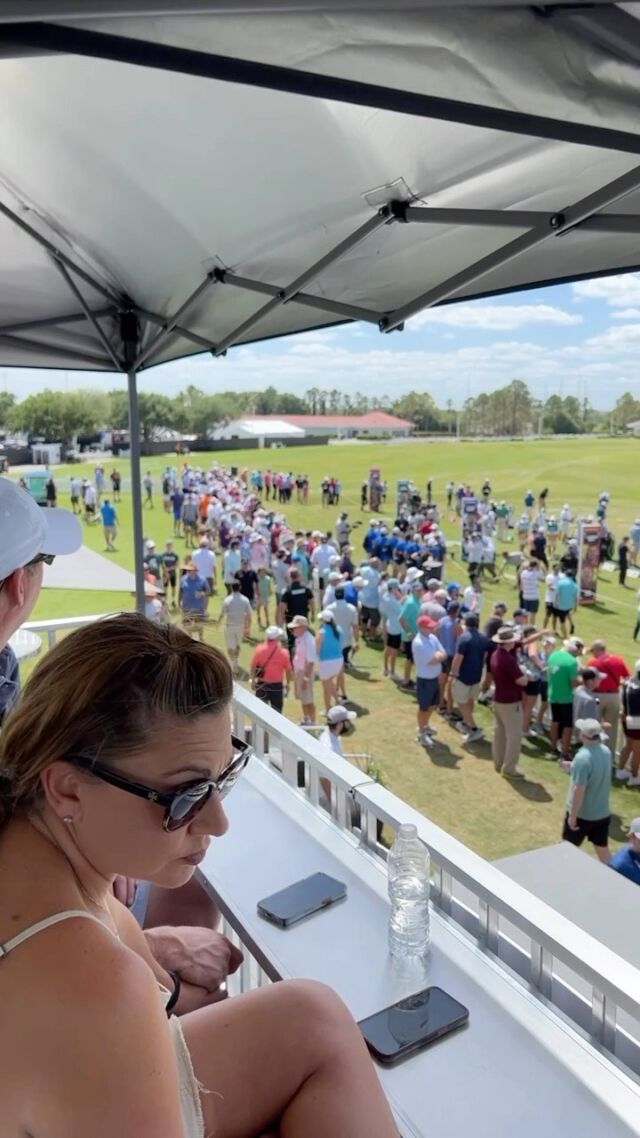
407 648
534 687
271 693
531 606
370 616
561 614
393 640
427 692
446 665
595 832
562 714
172 578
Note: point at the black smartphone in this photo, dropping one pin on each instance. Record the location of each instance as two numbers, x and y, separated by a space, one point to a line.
301 899
411 1024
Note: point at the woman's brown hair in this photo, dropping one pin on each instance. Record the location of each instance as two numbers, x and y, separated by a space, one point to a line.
100 692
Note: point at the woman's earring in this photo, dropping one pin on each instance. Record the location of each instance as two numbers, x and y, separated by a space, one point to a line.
67 819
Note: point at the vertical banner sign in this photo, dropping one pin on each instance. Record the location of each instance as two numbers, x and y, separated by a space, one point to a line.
589 538
403 496
375 486
470 523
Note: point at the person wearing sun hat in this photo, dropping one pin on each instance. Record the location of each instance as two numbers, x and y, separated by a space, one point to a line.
509 681
30 537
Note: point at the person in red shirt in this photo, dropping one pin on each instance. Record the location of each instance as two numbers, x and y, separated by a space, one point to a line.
269 668
614 670
509 683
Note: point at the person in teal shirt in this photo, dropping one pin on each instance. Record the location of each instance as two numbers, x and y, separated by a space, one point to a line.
409 614
566 599
588 811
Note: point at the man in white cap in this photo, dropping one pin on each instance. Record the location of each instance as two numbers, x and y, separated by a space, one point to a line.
334 579
270 668
30 538
339 723
204 560
588 812
627 859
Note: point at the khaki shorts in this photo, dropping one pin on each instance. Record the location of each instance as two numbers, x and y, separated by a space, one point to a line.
465 693
233 638
303 687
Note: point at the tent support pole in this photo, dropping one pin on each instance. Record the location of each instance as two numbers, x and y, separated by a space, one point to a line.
272 77
136 487
556 224
383 216
102 336
59 255
323 304
54 321
171 323
130 336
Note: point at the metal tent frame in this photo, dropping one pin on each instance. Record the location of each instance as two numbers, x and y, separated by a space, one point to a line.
120 347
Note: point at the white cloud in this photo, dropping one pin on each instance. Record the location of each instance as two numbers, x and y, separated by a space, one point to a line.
625 314
619 292
493 317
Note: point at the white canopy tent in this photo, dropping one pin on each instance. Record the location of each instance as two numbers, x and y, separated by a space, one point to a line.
179 178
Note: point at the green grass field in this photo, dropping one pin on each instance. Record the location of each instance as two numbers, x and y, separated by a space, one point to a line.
456 789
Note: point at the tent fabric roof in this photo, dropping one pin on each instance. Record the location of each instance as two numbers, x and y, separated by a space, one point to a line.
255 182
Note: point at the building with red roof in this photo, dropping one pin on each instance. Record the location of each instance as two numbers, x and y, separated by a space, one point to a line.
375 424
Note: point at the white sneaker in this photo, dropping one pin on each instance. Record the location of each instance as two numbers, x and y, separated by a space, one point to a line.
475 736
634 781
424 739
622 774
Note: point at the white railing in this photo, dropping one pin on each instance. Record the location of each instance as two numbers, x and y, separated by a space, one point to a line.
598 991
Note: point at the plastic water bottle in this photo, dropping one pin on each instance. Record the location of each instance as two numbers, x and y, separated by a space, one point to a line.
409 924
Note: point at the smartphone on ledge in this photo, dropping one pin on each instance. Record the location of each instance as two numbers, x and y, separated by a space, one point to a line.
406 1027
301 899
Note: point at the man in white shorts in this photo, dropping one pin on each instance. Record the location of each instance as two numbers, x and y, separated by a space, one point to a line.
236 613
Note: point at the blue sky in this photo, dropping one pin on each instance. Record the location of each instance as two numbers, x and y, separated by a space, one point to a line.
580 339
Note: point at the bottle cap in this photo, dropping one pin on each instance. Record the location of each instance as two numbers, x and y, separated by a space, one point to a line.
407 830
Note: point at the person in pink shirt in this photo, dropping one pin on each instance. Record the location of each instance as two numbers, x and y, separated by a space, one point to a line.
258 552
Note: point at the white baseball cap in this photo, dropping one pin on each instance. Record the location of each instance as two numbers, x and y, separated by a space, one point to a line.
340 714
273 632
27 529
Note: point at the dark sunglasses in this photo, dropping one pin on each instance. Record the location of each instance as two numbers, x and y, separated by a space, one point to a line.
42 559
39 559
182 804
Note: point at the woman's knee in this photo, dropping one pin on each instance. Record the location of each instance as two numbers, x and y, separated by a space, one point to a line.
317 1010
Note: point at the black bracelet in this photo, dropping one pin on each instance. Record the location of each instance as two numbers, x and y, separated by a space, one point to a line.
175 995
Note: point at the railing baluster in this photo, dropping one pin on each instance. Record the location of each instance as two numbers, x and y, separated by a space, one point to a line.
603 1020
541 973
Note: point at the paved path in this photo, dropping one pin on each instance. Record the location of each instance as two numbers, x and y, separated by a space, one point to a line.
88 570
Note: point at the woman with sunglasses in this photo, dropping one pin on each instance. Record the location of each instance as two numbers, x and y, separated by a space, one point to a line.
115 760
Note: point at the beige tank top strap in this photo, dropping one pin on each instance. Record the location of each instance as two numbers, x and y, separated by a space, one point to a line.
46 923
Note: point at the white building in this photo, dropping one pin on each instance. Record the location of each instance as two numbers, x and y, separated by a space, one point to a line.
266 430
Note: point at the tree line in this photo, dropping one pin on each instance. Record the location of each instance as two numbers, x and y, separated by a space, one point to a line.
510 410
